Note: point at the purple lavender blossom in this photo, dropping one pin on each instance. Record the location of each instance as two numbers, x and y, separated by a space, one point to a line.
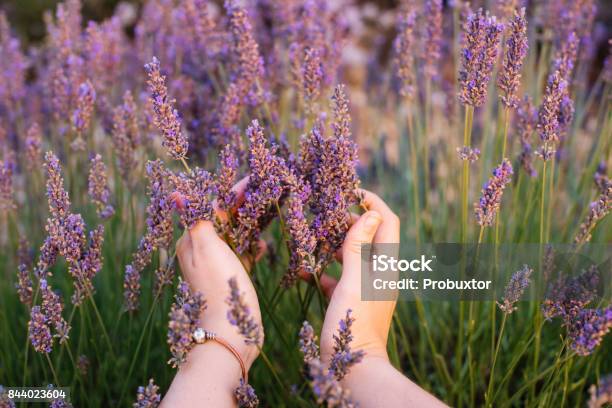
24 284
601 177
59 202
588 328
565 58
480 44
487 207
226 178
81 116
515 288
39 331
264 189
33 148
404 54
598 210
125 135
166 117
308 342
343 357
568 295
195 190
326 388
312 75
432 38
147 397
184 319
245 395
239 315
7 199
548 115
131 288
98 190
516 51
527 119
5 401
466 153
602 393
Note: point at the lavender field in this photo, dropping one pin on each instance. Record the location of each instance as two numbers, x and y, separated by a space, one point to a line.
483 122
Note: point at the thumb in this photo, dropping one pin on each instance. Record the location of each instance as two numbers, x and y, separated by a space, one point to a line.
362 232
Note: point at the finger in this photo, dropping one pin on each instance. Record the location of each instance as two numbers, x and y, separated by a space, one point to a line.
239 189
362 232
389 228
205 240
328 283
184 250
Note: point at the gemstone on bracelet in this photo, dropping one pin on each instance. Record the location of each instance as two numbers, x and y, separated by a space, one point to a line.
199 335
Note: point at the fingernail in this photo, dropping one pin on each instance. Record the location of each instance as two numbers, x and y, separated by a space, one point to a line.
372 220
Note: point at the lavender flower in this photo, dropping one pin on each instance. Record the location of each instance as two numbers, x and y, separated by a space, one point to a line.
404 54
548 115
312 75
33 148
98 188
432 38
81 116
487 207
89 266
601 177
52 308
24 285
226 178
147 397
5 401
122 142
264 189
326 388
481 40
39 331
601 395
59 202
598 210
588 328
83 364
7 200
516 50
527 119
565 58
166 117
308 342
468 153
239 315
343 358
131 288
515 288
60 403
568 295
195 191
184 319
245 395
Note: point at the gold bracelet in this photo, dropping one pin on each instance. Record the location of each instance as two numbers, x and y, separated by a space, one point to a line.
201 336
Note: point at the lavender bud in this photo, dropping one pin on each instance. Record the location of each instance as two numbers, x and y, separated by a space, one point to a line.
515 288
527 118
39 331
587 330
466 153
548 115
404 54
343 358
516 49
98 190
33 148
598 210
486 209
166 117
326 388
147 397
24 285
239 315
81 116
432 37
195 190
308 342
7 199
245 395
226 178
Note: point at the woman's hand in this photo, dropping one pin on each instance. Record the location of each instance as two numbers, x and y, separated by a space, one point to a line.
372 319
207 263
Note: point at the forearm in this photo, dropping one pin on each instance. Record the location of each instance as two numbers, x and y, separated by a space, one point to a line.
374 382
207 379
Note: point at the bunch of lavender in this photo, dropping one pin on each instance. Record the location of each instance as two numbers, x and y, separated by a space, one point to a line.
587 329
148 397
166 117
598 210
226 178
195 189
602 393
184 319
98 190
486 209
516 50
263 191
158 234
239 315
343 357
480 45
245 395
514 289
404 55
527 118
